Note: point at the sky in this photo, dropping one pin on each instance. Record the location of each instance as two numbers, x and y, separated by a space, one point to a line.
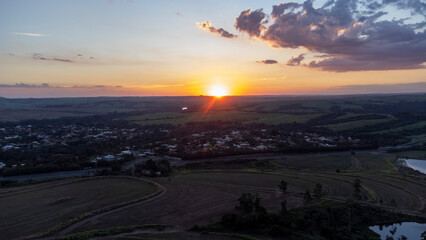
58 48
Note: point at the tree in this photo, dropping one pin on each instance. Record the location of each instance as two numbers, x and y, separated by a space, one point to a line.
245 204
283 207
307 198
357 189
283 186
318 192
248 204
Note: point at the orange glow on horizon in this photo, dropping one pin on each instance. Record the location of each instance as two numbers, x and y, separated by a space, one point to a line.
218 91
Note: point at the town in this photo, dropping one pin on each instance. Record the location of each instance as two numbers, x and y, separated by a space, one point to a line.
82 146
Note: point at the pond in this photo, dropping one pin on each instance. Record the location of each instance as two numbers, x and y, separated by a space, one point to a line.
411 230
417 164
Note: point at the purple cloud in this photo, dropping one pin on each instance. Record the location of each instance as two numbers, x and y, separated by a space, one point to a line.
250 22
268 61
39 56
348 34
206 26
295 61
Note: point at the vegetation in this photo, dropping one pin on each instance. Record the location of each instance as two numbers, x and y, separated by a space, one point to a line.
325 220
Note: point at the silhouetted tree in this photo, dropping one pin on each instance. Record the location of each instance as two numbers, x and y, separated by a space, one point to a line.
307 198
283 187
318 192
357 189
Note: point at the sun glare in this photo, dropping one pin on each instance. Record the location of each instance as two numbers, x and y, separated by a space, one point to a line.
218 91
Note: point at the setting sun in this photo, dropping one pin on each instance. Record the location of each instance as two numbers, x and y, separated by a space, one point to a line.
218 91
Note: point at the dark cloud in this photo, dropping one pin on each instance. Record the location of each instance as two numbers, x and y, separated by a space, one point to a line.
279 9
268 61
24 85
415 6
348 37
250 22
206 26
295 61
61 60
39 56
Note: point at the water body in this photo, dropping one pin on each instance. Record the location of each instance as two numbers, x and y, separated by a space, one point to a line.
417 164
411 230
52 175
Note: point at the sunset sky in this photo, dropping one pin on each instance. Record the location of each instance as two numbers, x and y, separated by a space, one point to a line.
54 48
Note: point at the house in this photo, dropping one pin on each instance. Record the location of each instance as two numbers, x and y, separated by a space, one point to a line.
109 157
126 152
7 147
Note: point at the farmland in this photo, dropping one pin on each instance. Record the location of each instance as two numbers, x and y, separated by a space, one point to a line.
214 150
231 116
34 209
200 196
202 193
355 124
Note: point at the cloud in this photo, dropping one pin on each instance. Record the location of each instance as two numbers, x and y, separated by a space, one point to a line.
24 85
206 26
268 61
295 61
348 34
39 56
179 14
30 34
46 85
417 87
415 6
250 22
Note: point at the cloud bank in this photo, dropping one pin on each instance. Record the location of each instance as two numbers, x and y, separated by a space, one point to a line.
417 87
350 35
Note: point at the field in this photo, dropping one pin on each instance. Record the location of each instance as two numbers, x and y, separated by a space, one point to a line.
33 209
202 193
416 154
356 124
199 196
417 125
175 118
341 161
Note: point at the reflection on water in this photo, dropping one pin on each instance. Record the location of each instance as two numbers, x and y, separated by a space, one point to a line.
419 165
410 230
